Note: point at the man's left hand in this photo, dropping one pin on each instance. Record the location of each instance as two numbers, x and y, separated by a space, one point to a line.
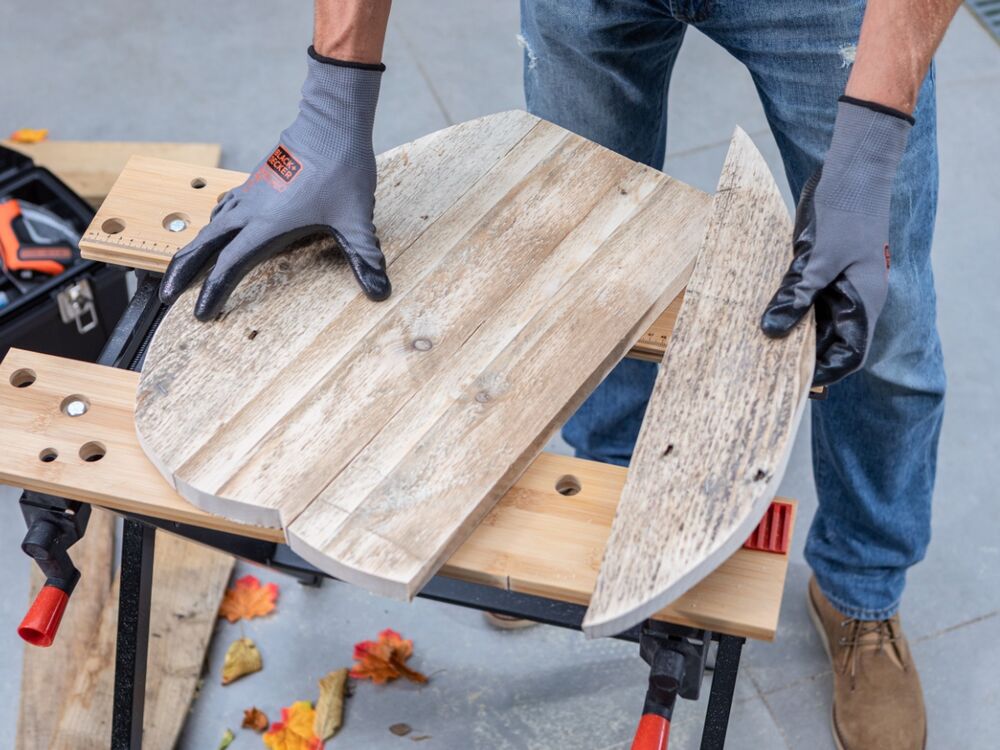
841 240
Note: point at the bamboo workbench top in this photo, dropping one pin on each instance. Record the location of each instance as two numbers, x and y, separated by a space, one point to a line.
545 536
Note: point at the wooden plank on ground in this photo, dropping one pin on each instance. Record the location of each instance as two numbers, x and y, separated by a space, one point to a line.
90 168
723 415
526 261
188 584
544 537
47 673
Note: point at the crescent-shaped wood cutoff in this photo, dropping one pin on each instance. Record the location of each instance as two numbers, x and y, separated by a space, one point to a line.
723 415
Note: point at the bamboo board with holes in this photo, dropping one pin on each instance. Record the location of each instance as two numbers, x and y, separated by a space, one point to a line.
526 261
536 540
723 414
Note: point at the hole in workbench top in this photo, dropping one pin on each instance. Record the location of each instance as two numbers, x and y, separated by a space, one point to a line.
92 451
568 485
113 226
75 405
48 455
23 378
198 183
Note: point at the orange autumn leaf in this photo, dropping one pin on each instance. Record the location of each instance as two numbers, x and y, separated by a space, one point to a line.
295 730
255 719
29 135
384 660
248 599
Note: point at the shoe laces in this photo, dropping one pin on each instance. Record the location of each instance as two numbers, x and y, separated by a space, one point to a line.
859 639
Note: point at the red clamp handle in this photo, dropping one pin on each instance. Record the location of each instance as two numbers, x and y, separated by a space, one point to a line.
652 734
39 626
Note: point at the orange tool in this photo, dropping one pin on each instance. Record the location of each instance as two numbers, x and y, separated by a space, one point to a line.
20 252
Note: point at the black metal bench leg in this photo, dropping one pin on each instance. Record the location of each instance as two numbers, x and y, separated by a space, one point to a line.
138 543
720 700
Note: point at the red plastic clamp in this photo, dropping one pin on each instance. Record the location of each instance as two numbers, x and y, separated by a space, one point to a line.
39 626
774 530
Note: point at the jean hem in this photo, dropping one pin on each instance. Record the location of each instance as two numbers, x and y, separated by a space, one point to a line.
857 613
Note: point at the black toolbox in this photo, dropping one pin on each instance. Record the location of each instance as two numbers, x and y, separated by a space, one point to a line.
72 314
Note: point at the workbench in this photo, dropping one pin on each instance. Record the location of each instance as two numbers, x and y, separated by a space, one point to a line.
69 439
535 556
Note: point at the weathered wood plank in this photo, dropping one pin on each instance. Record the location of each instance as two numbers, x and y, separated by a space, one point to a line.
47 673
467 431
188 583
381 432
536 540
723 414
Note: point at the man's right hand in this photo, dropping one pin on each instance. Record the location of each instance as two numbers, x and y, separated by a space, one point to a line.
320 179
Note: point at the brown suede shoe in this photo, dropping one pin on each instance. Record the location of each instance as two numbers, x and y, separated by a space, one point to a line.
877 700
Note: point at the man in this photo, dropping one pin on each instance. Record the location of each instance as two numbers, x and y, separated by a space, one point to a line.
850 101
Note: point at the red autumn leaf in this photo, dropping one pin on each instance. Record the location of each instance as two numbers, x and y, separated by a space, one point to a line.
248 599
384 660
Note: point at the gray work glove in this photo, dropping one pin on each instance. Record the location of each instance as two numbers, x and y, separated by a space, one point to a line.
320 179
841 240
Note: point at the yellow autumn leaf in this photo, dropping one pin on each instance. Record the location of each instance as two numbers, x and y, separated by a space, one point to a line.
29 135
242 658
295 730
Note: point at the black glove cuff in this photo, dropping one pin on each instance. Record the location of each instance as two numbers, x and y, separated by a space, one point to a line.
876 107
344 63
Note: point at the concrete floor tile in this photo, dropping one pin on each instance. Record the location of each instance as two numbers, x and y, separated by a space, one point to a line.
796 653
541 687
150 81
961 692
967 50
468 54
802 712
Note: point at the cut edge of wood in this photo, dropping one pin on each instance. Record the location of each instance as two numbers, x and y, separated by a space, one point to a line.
232 510
594 628
399 590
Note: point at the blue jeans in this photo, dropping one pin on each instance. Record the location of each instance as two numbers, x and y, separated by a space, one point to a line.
601 68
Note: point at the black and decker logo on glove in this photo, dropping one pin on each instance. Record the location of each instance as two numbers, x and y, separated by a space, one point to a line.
283 164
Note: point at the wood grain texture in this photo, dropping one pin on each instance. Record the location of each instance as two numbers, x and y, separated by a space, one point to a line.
90 168
47 673
31 421
536 540
723 415
150 189
188 584
378 434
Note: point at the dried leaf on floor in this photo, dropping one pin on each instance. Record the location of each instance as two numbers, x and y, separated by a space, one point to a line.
248 599
400 730
255 719
242 658
330 706
384 660
227 739
295 730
